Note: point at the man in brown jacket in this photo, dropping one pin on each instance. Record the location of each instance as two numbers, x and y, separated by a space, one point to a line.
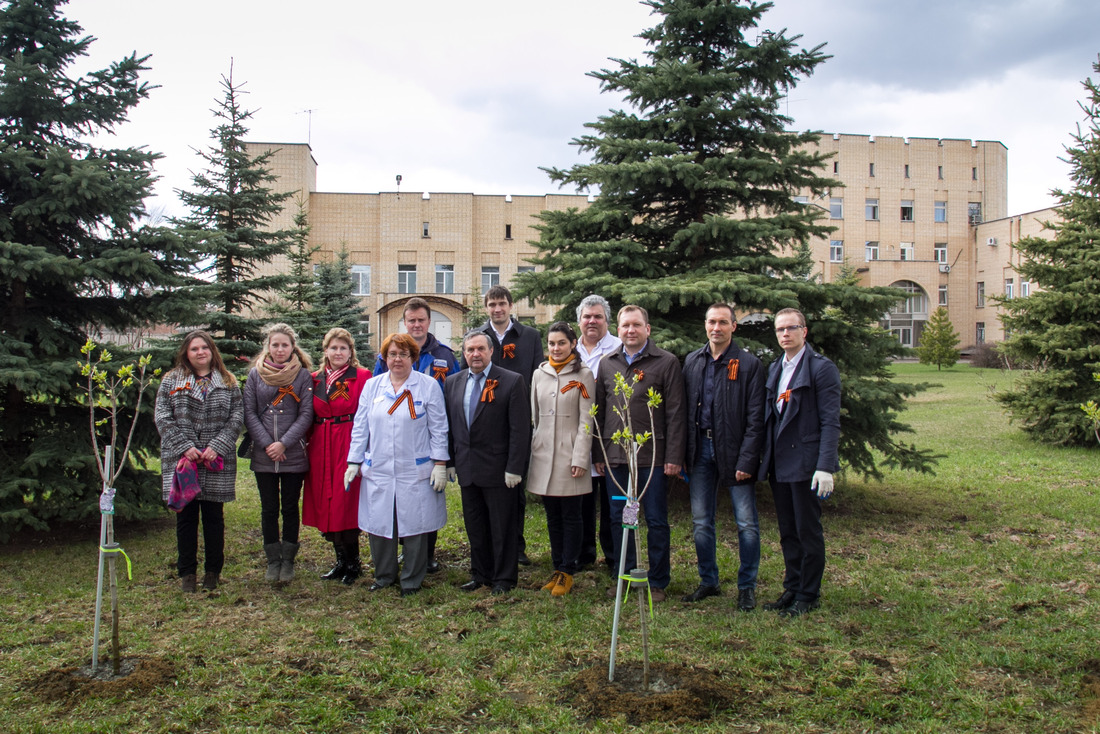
664 452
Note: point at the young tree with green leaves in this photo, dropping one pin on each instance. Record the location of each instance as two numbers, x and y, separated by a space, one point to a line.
75 261
337 305
1057 327
939 341
231 207
696 206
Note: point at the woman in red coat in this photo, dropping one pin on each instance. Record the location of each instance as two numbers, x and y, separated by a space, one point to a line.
326 506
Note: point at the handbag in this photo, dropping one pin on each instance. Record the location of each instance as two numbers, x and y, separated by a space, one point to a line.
245 449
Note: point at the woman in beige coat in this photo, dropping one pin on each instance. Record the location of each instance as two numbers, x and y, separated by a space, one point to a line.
562 390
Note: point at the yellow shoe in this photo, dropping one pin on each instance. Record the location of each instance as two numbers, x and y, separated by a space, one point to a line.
565 585
552 582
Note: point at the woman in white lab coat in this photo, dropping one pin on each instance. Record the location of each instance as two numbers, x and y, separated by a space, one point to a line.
399 446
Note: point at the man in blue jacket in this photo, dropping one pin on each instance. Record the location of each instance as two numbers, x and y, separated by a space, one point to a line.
802 426
724 392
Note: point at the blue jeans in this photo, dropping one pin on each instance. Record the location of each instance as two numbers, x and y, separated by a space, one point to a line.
703 489
655 507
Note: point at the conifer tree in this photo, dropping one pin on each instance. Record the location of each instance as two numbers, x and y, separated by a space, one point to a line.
939 341
337 305
297 299
696 205
1057 327
231 207
75 261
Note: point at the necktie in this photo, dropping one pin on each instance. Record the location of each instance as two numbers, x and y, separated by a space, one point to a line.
475 395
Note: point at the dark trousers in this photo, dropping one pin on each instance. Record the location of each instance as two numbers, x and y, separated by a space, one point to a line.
589 534
490 516
521 516
564 525
798 514
279 491
213 537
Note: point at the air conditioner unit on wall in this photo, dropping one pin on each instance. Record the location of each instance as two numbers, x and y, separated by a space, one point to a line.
945 268
991 241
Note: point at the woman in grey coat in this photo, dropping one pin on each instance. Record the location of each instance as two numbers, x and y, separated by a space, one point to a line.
198 415
278 411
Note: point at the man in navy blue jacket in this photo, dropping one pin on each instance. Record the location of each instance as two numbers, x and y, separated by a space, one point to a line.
802 425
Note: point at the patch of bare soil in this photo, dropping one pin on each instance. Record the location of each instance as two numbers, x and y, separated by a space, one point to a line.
136 676
1090 693
676 694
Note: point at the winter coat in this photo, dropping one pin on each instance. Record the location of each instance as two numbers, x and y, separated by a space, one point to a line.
273 414
186 419
397 453
325 504
560 404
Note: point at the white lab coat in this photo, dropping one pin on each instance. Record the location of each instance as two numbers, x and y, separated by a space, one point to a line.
396 455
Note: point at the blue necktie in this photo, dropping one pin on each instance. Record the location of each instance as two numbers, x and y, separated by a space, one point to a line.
475 396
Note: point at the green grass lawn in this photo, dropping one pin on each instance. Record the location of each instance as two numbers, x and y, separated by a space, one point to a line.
965 601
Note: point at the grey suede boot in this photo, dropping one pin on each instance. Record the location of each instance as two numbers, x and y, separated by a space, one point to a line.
274 553
286 570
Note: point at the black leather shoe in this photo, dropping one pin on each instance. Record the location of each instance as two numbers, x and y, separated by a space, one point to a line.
746 600
702 592
375 586
409 592
784 601
500 589
434 566
522 559
799 608
471 585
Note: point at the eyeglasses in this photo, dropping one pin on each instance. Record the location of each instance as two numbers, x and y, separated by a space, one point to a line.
787 329
398 355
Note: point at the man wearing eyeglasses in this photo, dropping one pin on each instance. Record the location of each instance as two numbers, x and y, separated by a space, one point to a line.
802 429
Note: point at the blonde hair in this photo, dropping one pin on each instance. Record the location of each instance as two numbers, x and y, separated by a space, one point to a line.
288 331
343 335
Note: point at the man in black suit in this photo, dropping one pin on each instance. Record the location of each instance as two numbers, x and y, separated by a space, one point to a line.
490 434
802 428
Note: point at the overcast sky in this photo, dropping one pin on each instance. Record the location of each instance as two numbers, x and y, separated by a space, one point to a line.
476 96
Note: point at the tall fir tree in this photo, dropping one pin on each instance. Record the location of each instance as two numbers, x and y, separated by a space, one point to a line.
337 305
1057 327
695 205
232 207
297 300
75 260
939 341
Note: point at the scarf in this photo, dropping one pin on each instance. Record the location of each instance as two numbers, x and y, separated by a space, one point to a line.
332 376
558 365
278 375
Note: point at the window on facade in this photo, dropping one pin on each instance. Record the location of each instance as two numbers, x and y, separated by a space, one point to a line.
801 199
1025 288
836 251
979 332
360 280
907 170
836 207
1010 288
906 250
507 231
871 251
424 231
490 276
915 303
871 170
939 172
981 294
444 278
871 210
406 279
836 166
939 253
974 212
974 174
943 295
940 211
906 210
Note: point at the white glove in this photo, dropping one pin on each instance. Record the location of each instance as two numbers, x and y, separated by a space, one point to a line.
511 480
452 475
349 475
439 478
823 483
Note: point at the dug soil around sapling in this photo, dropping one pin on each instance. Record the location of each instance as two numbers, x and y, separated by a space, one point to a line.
676 694
136 676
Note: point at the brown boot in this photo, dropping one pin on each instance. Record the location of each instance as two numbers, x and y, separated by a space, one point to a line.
564 585
187 583
552 582
210 581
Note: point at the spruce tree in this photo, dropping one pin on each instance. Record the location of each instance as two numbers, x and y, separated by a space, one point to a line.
337 305
1057 327
696 205
75 260
297 300
939 341
231 207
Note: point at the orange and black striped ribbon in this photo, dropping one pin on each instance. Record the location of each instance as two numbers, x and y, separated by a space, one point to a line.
181 388
283 392
731 369
785 396
439 373
509 351
487 394
639 375
574 384
340 390
405 396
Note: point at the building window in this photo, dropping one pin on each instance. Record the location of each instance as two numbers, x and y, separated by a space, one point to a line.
974 212
981 294
527 269
907 211
939 172
490 276
1025 288
360 280
974 174
939 253
943 295
940 212
1010 289
836 207
906 251
507 231
836 166
871 251
871 210
871 170
424 230
907 170
444 278
979 332
406 279
836 251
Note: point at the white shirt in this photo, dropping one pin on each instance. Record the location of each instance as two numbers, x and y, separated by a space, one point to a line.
606 345
787 368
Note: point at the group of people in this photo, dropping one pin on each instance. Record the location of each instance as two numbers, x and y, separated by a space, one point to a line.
375 453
